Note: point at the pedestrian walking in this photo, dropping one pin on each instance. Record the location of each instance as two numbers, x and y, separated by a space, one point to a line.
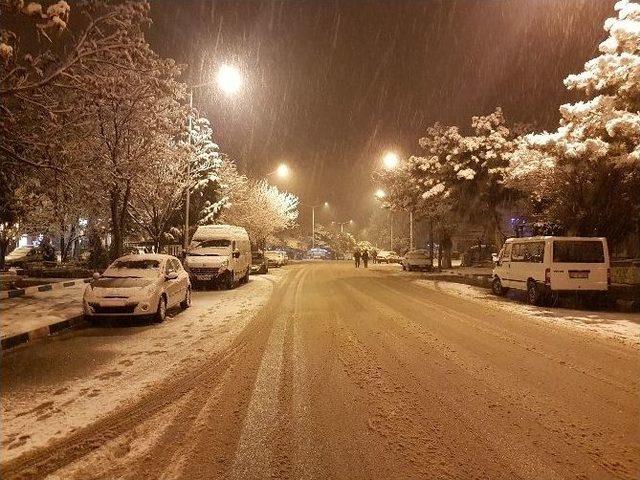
356 257
365 258
374 256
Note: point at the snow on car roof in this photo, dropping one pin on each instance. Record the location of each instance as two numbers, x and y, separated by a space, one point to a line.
146 256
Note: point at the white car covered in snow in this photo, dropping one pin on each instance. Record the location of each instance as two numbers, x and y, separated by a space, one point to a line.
417 260
138 285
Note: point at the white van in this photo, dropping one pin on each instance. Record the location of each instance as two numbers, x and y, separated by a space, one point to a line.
547 266
219 255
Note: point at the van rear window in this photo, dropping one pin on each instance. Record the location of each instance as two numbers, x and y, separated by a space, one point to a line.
578 251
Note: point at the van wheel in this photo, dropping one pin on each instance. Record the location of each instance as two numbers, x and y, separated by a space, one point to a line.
533 293
497 288
228 281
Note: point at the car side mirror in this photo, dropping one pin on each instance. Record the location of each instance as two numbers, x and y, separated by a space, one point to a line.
236 254
171 276
95 275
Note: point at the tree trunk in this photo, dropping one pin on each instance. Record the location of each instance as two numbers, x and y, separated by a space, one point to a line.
3 252
431 241
116 227
63 250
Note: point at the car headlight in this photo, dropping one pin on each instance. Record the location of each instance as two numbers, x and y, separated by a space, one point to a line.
224 264
144 306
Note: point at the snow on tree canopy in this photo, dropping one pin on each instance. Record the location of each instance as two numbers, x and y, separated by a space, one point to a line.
606 126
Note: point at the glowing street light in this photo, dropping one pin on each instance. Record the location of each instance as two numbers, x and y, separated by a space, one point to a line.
380 193
390 160
229 79
326 204
282 171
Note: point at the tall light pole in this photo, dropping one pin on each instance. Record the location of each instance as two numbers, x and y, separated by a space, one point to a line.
410 229
313 220
229 80
391 161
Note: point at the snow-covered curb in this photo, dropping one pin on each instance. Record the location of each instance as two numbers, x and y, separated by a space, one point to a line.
21 292
623 327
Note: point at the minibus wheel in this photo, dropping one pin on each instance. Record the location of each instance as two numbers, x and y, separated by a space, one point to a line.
533 293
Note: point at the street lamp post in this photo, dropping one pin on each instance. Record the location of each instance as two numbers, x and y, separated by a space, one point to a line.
410 229
313 221
229 80
187 201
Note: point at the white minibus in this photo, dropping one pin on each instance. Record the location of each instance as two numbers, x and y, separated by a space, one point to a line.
545 267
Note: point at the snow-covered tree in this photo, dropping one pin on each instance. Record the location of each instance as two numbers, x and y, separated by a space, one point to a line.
596 150
48 51
262 209
468 170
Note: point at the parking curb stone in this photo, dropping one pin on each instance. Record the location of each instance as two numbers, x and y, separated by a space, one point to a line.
21 292
22 338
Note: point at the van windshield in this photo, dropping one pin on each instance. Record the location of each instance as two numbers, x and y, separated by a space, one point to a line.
216 242
578 251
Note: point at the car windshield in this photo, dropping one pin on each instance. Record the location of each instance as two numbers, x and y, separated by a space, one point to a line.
121 282
142 264
578 251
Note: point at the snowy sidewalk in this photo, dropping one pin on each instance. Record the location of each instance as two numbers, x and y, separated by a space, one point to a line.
39 314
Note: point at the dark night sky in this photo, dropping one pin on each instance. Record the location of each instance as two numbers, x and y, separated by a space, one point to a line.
330 85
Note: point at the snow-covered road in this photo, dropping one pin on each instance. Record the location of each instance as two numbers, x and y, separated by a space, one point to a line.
324 371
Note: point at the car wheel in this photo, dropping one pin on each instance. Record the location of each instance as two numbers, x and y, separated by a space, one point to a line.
533 293
186 303
161 313
245 279
497 288
228 282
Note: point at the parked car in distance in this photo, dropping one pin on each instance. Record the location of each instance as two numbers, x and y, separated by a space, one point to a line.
219 256
23 255
545 267
259 263
417 260
388 256
276 258
141 285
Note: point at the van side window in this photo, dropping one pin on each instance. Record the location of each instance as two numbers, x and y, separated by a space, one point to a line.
530 252
517 252
534 252
506 253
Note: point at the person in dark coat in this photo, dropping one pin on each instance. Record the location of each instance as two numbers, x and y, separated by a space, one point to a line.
365 258
374 256
356 257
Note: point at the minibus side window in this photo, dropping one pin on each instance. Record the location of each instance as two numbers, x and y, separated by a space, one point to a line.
506 253
517 252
